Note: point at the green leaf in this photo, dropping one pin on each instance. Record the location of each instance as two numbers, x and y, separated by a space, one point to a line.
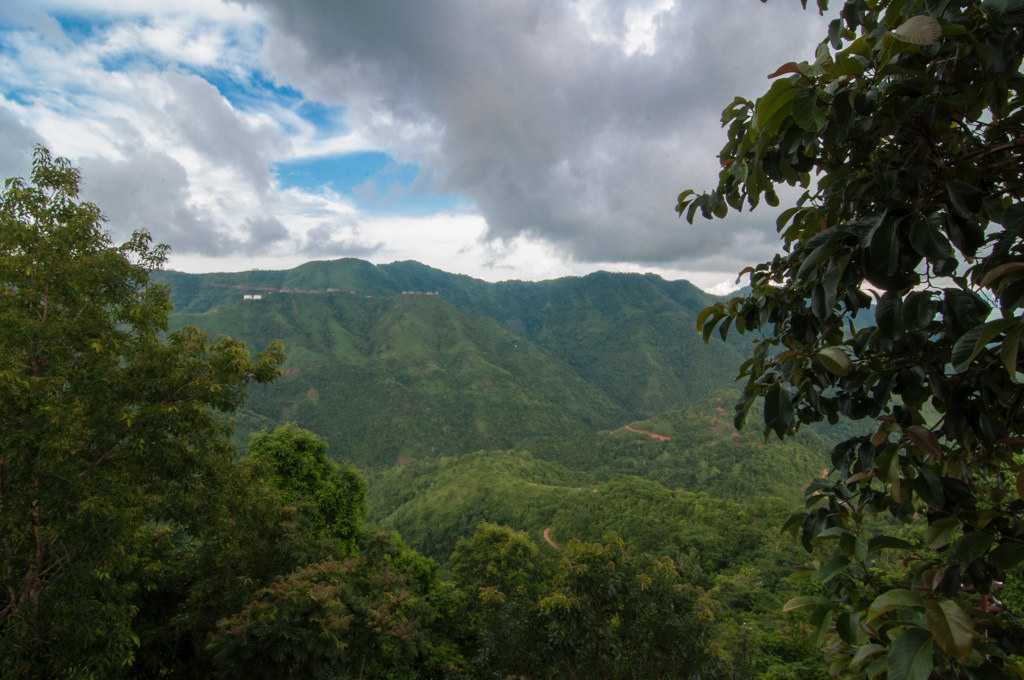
918 310
897 598
965 198
848 627
835 360
813 259
1008 555
882 542
919 30
884 248
951 628
996 273
803 602
774 106
683 200
940 532
835 566
928 241
778 410
974 545
703 315
911 657
969 345
865 653
1011 348
822 620
835 33
785 216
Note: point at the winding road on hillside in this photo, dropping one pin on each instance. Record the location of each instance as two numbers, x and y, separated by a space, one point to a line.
550 540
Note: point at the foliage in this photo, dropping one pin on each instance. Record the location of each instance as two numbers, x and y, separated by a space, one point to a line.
905 135
295 461
106 427
370 615
503 573
600 610
729 548
614 613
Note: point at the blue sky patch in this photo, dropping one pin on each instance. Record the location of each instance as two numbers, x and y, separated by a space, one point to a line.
372 179
80 27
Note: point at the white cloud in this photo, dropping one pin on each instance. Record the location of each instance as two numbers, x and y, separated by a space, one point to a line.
571 130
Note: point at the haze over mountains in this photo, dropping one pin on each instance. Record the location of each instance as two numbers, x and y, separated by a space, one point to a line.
403 361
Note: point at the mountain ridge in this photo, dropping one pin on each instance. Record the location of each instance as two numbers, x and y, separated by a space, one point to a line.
374 349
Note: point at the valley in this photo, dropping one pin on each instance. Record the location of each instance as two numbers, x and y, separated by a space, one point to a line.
580 410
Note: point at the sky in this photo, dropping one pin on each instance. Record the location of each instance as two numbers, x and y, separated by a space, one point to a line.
504 139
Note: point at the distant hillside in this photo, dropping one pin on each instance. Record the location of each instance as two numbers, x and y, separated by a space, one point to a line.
406 360
406 375
632 335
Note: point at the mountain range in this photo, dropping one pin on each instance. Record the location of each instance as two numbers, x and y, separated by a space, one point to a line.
399 362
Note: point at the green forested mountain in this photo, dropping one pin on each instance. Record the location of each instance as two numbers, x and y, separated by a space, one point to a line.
403 360
572 424
405 376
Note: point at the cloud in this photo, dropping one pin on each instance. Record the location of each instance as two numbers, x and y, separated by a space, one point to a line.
545 138
16 141
159 147
204 120
576 123
328 240
150 190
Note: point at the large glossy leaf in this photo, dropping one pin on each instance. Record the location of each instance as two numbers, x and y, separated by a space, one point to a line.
865 653
803 602
940 532
919 30
969 345
897 598
778 410
1011 349
774 106
835 360
911 657
951 628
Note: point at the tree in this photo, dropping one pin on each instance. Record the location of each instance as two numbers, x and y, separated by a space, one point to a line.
613 613
896 299
107 429
379 614
503 574
295 461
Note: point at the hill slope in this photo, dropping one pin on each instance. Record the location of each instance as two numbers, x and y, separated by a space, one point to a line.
383 372
405 375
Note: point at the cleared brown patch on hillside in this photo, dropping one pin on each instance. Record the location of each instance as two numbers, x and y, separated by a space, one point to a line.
650 435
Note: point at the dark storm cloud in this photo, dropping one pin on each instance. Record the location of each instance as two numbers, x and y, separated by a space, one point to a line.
551 131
